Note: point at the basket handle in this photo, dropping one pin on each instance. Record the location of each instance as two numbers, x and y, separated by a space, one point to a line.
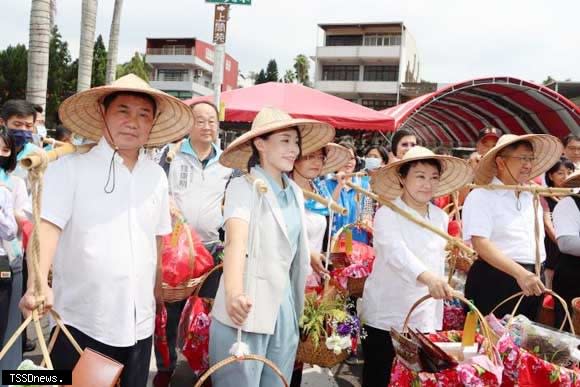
233 359
485 328
521 295
205 277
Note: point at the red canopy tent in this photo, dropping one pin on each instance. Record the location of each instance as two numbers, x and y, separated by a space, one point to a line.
299 101
454 115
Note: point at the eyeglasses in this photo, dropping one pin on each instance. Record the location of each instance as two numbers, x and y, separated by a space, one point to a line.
203 124
315 157
523 159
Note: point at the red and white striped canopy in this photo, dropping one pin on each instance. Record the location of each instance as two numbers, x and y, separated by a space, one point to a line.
454 115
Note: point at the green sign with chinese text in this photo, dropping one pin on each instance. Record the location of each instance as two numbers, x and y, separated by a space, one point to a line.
235 2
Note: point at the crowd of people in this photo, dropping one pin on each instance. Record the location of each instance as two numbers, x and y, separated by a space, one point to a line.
104 213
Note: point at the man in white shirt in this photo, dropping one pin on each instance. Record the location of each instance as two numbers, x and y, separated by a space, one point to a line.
196 184
500 224
102 218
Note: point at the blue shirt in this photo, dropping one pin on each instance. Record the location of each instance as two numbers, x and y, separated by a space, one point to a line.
312 205
348 200
288 206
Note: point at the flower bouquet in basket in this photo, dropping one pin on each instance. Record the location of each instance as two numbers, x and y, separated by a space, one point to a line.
328 333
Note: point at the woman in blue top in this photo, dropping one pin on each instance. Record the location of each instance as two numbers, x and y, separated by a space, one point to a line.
266 254
348 198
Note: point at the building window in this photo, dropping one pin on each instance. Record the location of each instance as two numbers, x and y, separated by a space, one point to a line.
344 40
381 73
379 104
382 40
209 55
172 75
340 73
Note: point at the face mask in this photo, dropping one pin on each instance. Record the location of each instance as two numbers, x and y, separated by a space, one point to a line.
372 163
20 137
4 162
41 130
77 140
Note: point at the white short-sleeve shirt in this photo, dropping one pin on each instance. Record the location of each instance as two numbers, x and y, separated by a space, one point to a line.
497 216
105 264
403 251
566 218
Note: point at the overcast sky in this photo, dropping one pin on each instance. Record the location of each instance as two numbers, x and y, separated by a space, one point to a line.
456 39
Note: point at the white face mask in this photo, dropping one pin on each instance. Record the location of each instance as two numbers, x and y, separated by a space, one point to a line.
41 130
77 140
372 163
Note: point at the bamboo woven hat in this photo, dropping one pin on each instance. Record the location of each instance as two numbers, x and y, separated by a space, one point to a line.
81 113
315 135
547 151
455 173
336 157
572 181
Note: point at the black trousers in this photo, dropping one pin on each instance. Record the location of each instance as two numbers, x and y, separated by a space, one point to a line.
378 354
488 286
5 294
135 358
565 284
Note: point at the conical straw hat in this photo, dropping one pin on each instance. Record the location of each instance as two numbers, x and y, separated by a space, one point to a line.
547 151
455 173
315 135
81 113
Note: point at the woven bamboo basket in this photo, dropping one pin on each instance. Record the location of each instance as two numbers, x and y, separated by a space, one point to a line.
356 286
185 289
320 356
576 314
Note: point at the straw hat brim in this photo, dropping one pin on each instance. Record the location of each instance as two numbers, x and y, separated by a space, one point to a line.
337 156
547 151
81 113
314 134
573 181
455 174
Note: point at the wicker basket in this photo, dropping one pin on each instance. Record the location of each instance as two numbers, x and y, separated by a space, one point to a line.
186 288
356 286
576 314
320 356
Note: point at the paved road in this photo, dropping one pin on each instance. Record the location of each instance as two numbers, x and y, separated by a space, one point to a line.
343 375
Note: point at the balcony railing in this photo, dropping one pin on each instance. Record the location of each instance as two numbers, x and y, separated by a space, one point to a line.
171 51
173 78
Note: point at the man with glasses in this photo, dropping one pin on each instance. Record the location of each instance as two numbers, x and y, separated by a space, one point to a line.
572 149
197 183
500 224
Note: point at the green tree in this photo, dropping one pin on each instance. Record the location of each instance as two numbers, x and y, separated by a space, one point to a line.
13 68
548 80
272 71
137 66
289 76
261 77
62 76
99 73
302 68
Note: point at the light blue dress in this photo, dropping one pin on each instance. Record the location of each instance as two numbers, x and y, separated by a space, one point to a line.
279 347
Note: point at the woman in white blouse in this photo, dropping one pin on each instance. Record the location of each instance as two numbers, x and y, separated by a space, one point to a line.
409 259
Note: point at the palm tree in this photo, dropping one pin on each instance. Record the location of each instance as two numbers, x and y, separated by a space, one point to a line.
114 42
302 67
88 25
289 76
38 48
